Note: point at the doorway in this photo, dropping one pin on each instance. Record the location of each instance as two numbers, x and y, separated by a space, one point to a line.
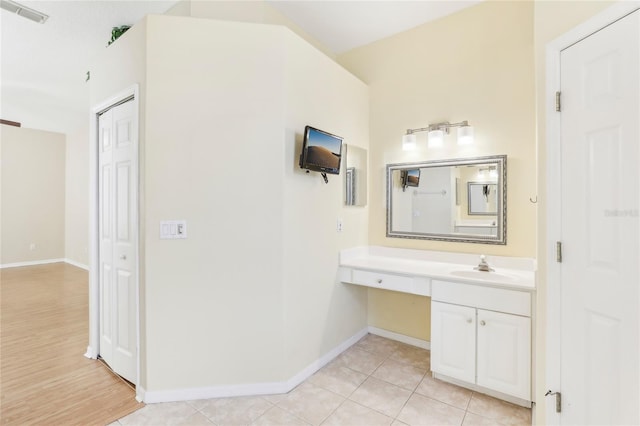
593 324
114 265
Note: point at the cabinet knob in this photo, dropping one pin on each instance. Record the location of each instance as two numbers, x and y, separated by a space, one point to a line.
469 320
482 322
379 280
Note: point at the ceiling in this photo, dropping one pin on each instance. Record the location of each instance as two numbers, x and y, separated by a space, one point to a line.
43 66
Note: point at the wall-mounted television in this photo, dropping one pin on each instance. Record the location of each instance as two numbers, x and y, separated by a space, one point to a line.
321 151
410 177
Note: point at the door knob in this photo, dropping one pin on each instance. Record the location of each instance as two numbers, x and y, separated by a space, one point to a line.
123 257
379 280
483 323
469 320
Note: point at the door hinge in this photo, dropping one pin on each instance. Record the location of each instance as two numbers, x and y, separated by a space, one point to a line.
558 105
558 400
559 251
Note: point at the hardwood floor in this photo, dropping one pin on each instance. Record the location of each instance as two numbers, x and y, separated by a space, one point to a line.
44 332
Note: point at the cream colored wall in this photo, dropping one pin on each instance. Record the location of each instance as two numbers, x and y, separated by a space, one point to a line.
551 19
33 195
475 65
320 312
214 157
77 195
219 152
255 11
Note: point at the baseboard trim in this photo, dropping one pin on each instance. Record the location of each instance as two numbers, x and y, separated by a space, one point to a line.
77 264
151 397
506 397
327 358
31 263
424 344
91 353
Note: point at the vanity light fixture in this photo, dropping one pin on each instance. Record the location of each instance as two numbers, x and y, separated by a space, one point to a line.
491 170
409 141
436 134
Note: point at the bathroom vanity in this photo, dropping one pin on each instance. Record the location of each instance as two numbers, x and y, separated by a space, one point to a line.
481 322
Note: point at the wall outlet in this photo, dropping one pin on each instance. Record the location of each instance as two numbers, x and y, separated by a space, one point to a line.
339 225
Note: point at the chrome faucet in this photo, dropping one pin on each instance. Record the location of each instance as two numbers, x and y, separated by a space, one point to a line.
483 265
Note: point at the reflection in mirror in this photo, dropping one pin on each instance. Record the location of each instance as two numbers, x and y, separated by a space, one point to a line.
355 192
452 200
482 198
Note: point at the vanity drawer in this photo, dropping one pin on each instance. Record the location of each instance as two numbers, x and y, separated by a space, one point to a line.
393 282
490 298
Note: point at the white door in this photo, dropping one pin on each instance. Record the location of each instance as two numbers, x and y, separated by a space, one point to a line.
453 341
118 239
504 353
600 185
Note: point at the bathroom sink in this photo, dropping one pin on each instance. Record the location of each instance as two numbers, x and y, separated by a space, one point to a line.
485 276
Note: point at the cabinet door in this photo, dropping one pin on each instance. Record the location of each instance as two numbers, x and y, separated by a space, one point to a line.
504 353
453 341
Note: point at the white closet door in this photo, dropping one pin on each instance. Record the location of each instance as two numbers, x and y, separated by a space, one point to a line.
600 272
118 240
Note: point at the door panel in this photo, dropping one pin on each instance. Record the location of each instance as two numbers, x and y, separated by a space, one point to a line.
453 336
504 353
600 186
118 244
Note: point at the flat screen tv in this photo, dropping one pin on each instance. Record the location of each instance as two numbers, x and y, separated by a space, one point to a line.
411 177
321 151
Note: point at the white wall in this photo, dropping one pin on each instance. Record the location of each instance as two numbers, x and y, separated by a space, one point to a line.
247 298
214 156
320 312
32 191
77 194
254 11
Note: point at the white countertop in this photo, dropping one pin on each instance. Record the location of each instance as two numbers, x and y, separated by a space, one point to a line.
509 272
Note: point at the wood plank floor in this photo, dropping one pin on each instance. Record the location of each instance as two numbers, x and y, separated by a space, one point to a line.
44 332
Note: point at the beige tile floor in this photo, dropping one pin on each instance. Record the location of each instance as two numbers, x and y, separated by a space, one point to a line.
375 382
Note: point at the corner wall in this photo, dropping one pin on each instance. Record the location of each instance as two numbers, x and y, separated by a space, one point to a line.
251 296
251 11
32 179
320 312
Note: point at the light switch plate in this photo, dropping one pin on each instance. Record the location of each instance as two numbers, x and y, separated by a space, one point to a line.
173 229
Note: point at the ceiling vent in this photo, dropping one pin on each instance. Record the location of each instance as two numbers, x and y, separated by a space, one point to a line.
24 11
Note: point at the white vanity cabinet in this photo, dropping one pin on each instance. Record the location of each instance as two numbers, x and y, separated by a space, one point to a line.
482 336
453 341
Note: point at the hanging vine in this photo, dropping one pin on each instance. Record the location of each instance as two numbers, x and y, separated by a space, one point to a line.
116 32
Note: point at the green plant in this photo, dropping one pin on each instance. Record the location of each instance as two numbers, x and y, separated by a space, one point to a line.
116 32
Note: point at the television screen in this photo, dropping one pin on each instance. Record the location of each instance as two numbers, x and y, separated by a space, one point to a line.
412 177
321 151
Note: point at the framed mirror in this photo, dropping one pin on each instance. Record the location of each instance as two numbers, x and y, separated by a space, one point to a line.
355 183
450 200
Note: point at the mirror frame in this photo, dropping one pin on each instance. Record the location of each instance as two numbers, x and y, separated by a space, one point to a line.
500 238
355 185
